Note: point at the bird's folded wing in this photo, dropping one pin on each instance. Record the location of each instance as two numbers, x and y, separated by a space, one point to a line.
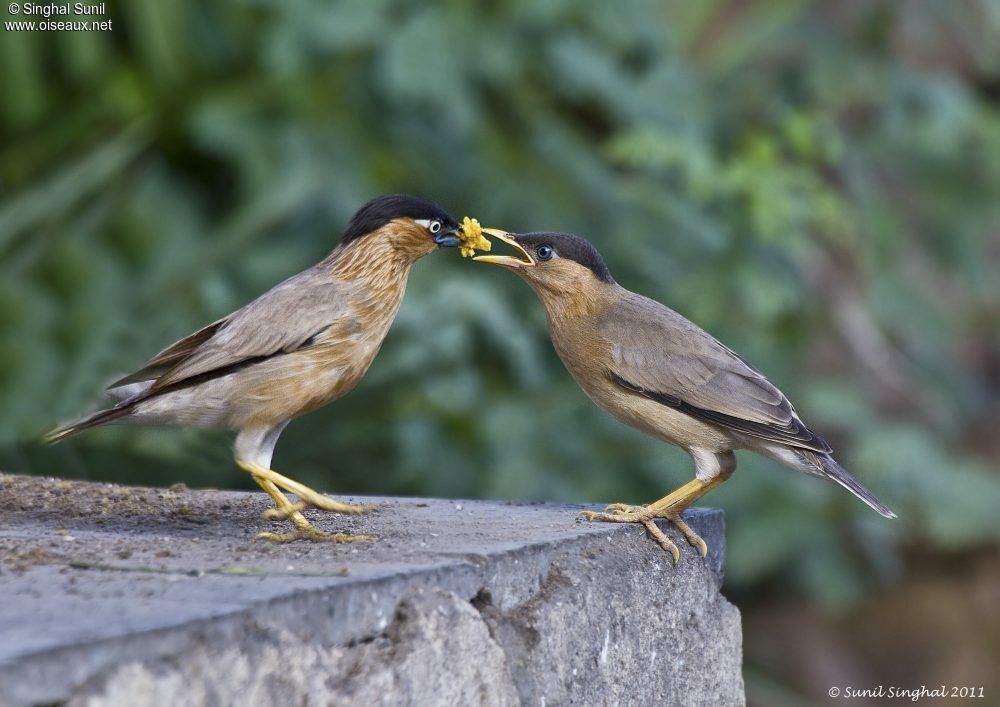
281 320
659 354
171 356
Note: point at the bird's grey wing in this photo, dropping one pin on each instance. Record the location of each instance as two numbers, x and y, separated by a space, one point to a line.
171 356
659 354
286 318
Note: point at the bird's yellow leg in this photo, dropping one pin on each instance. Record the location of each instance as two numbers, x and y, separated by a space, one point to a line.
307 496
670 507
676 501
304 530
290 510
285 513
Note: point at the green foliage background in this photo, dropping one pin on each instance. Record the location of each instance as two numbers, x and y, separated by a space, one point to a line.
815 183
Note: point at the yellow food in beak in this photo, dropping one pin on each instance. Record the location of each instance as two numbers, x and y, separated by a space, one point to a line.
507 260
471 235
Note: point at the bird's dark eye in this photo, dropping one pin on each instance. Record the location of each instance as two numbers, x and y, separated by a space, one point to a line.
435 226
544 251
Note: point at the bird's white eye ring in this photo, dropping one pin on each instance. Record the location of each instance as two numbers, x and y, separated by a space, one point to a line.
434 227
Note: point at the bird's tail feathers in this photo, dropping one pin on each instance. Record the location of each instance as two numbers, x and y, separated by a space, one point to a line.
98 418
842 476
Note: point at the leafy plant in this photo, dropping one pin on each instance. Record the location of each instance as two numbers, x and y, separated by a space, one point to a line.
813 183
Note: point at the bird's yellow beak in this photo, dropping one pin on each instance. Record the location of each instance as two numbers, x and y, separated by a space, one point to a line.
506 260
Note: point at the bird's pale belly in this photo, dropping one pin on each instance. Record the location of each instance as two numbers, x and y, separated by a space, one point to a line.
266 393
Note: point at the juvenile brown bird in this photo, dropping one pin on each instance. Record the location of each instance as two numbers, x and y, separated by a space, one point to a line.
653 369
302 344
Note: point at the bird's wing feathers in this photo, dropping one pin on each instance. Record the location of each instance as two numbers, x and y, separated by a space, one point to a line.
171 356
661 355
284 319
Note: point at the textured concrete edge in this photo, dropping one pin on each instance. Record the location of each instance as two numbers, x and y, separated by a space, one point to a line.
607 624
317 615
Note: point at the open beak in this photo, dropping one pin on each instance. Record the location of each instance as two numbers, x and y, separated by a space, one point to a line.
506 260
447 239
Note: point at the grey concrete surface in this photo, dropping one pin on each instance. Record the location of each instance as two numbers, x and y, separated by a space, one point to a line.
134 596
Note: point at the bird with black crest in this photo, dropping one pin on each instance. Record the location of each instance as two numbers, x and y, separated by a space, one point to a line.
302 344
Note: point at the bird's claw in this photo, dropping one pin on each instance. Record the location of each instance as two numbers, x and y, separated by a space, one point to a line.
313 535
662 540
615 516
624 513
622 508
597 515
328 505
692 537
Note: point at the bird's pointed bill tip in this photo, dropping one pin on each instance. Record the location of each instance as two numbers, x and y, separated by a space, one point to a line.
523 259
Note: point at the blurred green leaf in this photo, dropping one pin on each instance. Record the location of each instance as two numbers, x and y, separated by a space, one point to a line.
814 185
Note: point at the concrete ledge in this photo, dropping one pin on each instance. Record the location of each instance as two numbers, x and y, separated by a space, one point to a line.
131 596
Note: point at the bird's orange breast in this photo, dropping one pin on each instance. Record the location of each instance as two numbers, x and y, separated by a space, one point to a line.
294 384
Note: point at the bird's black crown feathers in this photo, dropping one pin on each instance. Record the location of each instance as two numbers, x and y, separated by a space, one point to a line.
572 248
381 210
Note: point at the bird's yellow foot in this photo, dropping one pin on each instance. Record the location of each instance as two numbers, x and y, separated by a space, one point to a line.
304 530
286 510
312 534
661 539
624 513
326 505
307 497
